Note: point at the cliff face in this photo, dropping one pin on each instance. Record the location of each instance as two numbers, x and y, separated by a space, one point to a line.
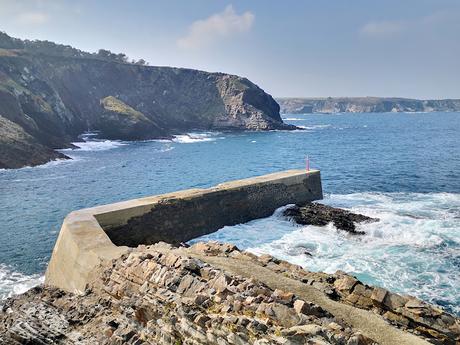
364 105
55 93
19 148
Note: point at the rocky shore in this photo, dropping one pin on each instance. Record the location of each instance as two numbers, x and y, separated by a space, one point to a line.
213 293
51 93
321 215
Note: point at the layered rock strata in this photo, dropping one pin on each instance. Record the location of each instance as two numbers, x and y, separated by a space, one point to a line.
203 295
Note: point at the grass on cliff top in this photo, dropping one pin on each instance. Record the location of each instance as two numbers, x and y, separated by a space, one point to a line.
113 104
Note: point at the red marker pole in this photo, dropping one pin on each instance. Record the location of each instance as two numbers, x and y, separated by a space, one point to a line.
308 164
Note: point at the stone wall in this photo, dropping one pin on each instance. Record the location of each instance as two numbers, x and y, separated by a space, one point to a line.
180 219
90 236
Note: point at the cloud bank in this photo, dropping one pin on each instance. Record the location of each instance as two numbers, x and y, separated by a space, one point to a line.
32 18
217 27
382 28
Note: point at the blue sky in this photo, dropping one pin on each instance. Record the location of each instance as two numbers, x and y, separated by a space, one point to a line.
408 48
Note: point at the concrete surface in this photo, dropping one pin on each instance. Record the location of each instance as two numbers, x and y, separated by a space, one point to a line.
92 235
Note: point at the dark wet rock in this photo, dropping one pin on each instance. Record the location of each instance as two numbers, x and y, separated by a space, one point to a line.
19 149
321 215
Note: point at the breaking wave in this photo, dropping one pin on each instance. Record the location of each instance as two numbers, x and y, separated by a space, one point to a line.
292 119
96 145
414 248
190 138
14 283
313 127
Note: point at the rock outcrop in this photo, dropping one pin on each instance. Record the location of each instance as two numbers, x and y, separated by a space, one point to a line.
211 293
365 105
55 92
321 215
18 148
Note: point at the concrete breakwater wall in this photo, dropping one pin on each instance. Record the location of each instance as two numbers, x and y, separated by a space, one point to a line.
89 236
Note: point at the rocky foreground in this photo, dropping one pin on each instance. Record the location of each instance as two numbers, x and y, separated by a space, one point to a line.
51 93
213 293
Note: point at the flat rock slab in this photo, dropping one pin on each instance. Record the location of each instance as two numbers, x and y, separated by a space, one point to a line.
321 215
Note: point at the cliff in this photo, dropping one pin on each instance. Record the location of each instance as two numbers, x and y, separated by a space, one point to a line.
365 105
52 93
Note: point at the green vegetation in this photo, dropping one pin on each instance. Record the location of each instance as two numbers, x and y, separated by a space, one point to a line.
9 85
113 104
37 47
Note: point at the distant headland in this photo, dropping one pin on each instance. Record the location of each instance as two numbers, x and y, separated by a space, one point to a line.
365 105
51 93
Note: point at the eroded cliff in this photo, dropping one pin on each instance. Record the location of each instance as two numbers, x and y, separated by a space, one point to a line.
54 93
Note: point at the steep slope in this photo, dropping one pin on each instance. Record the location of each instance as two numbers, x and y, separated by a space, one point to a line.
17 148
364 105
56 92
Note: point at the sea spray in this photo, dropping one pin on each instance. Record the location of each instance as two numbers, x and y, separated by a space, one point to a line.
413 249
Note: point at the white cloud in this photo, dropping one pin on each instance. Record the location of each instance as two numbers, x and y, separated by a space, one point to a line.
382 28
216 27
32 18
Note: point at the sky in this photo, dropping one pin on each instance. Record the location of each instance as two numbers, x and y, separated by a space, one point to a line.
403 48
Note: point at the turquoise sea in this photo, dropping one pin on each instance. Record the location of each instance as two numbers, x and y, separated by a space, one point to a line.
402 168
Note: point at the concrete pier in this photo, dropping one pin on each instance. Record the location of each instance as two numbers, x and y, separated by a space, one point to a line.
89 236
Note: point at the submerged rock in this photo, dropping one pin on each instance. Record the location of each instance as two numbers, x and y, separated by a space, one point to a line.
321 215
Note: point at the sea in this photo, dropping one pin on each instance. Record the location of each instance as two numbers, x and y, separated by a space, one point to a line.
403 168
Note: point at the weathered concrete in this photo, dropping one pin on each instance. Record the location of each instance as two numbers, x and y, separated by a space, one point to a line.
102 233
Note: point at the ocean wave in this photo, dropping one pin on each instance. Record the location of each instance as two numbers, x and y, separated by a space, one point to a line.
166 149
14 283
293 119
195 137
413 249
50 164
96 145
313 127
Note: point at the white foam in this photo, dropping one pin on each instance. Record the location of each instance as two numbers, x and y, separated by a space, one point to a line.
50 164
96 145
312 127
194 137
166 149
293 119
14 283
413 249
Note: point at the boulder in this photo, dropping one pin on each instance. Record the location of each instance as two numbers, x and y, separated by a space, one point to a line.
321 215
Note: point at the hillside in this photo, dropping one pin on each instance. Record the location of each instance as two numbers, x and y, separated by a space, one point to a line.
364 105
52 93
